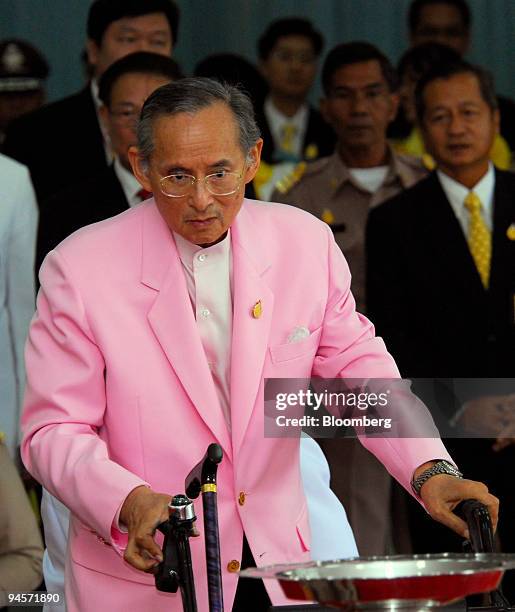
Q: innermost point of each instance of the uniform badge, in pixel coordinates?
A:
(327, 216)
(311, 151)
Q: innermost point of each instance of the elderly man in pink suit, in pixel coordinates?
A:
(154, 333)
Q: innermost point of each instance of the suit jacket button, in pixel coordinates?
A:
(233, 566)
(241, 498)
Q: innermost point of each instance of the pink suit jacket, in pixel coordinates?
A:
(120, 394)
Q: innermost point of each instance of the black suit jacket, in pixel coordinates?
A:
(86, 202)
(61, 143)
(318, 133)
(424, 293)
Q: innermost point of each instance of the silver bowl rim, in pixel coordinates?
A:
(487, 562)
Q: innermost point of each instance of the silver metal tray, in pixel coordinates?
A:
(434, 579)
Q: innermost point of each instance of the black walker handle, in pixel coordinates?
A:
(481, 540)
(176, 569)
(477, 517)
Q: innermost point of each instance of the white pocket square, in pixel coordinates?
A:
(299, 333)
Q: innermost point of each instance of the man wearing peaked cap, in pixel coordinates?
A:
(23, 71)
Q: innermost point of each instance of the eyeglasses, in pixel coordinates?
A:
(219, 183)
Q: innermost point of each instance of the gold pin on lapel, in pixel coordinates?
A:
(510, 232)
(257, 310)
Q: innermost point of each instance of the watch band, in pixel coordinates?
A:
(440, 467)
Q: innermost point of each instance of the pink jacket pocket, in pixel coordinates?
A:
(294, 350)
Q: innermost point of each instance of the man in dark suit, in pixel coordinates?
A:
(441, 261)
(123, 88)
(48, 140)
(292, 130)
(449, 22)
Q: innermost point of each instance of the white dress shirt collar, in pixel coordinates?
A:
(456, 194)
(187, 250)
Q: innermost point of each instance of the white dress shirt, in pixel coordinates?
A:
(276, 121)
(208, 278)
(456, 194)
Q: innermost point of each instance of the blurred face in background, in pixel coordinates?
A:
(459, 127)
(17, 103)
(127, 35)
(128, 94)
(290, 68)
(359, 105)
(441, 23)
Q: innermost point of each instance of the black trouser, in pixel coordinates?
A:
(250, 593)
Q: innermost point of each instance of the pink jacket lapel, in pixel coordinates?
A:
(250, 332)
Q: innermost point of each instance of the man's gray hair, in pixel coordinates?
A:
(190, 96)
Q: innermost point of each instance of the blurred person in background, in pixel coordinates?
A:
(71, 126)
(360, 100)
(18, 224)
(292, 129)
(21, 549)
(449, 22)
(123, 88)
(412, 66)
(23, 71)
(446, 22)
(20, 541)
(440, 282)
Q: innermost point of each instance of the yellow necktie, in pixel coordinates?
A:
(479, 237)
(288, 133)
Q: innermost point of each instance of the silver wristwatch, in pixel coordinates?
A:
(440, 467)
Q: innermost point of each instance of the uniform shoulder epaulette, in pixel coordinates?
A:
(421, 165)
(292, 178)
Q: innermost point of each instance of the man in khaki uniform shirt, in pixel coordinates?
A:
(21, 549)
(360, 101)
